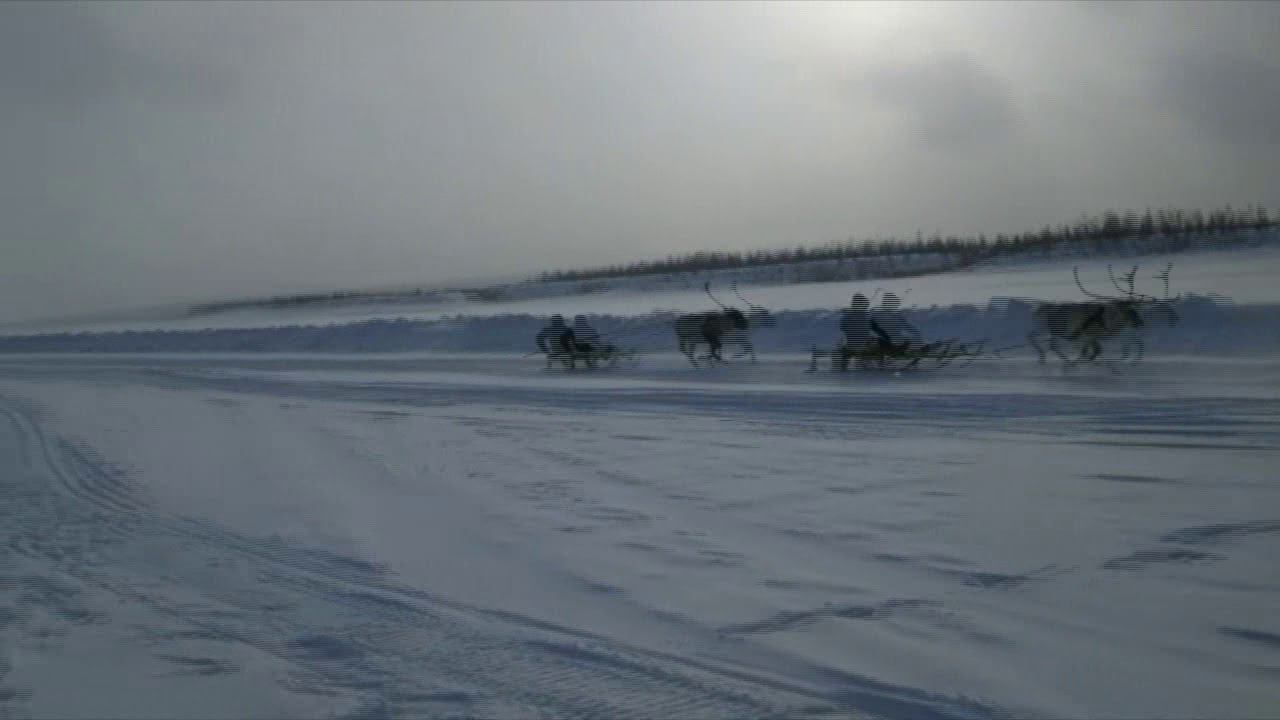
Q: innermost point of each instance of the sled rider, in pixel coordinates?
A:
(892, 331)
(586, 341)
(557, 341)
(585, 337)
(855, 323)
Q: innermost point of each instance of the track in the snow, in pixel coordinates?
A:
(804, 532)
(348, 630)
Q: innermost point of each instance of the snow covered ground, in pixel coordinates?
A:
(265, 534)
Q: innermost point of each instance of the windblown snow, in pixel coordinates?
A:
(395, 514)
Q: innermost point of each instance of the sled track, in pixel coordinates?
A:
(80, 473)
(350, 633)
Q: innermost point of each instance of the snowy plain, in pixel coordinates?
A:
(446, 532)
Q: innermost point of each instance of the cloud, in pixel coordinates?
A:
(948, 100)
(161, 151)
(1232, 97)
(70, 54)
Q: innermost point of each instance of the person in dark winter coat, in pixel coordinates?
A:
(891, 328)
(855, 323)
(586, 341)
(585, 337)
(557, 341)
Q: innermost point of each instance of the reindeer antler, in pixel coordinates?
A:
(734, 286)
(1165, 277)
(1129, 278)
(707, 288)
(1075, 272)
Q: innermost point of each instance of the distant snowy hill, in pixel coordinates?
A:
(1229, 303)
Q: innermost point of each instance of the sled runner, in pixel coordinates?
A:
(604, 356)
(928, 356)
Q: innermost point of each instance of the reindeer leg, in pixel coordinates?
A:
(1090, 351)
(688, 350)
(716, 346)
(1031, 340)
(1053, 345)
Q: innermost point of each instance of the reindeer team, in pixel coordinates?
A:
(720, 327)
(1086, 324)
(883, 338)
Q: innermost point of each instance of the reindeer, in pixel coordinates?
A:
(1106, 316)
(720, 327)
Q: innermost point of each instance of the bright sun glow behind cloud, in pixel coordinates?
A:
(161, 151)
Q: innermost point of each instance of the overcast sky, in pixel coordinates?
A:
(159, 151)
